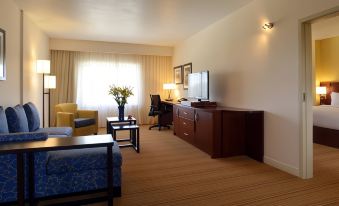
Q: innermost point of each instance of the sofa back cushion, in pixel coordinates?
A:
(16, 119)
(3, 121)
(32, 116)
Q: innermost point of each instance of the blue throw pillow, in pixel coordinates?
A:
(32, 116)
(3, 121)
(16, 119)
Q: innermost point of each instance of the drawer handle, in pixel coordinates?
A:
(185, 134)
(196, 117)
(184, 123)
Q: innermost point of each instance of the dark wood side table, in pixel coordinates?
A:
(134, 137)
(116, 120)
(51, 144)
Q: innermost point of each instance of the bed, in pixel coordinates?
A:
(326, 118)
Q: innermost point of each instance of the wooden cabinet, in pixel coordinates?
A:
(221, 131)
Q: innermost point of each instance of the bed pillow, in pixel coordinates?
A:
(335, 99)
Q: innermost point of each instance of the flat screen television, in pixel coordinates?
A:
(198, 85)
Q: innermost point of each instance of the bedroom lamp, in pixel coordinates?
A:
(169, 87)
(322, 92)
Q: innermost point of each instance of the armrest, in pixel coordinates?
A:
(88, 114)
(23, 137)
(65, 119)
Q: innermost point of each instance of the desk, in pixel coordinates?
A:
(167, 118)
(51, 144)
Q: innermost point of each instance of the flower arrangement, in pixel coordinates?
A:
(120, 94)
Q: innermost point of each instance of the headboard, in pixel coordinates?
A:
(330, 87)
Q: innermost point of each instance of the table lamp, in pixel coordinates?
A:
(322, 92)
(169, 87)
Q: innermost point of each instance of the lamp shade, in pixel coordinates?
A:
(43, 66)
(320, 90)
(50, 82)
(169, 86)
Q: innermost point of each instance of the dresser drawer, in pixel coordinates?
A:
(187, 113)
(187, 130)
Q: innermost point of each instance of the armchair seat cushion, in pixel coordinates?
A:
(83, 122)
(57, 131)
(79, 160)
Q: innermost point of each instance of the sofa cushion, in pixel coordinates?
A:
(83, 122)
(57, 131)
(3, 121)
(16, 119)
(77, 160)
(32, 116)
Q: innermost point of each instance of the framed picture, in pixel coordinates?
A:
(187, 70)
(178, 75)
(2, 54)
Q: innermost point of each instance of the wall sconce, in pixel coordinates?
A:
(169, 87)
(322, 91)
(268, 26)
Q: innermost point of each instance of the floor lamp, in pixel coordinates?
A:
(49, 83)
(43, 67)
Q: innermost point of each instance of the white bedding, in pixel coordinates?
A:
(326, 116)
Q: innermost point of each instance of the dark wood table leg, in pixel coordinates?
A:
(31, 179)
(20, 179)
(107, 127)
(114, 134)
(110, 175)
(138, 140)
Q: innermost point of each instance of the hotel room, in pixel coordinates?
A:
(219, 100)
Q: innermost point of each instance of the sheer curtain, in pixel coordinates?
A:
(96, 71)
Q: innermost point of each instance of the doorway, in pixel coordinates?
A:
(308, 87)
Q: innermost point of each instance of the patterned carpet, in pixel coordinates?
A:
(169, 171)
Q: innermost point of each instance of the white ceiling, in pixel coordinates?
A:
(156, 22)
(325, 28)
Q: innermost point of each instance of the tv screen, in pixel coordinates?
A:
(198, 85)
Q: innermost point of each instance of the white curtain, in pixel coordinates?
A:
(95, 72)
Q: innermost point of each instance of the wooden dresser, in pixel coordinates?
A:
(221, 131)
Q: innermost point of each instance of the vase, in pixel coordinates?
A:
(121, 113)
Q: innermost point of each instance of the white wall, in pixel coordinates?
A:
(251, 68)
(10, 22)
(35, 46)
(109, 47)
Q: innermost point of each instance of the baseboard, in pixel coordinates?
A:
(282, 166)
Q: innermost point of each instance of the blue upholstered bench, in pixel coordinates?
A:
(56, 172)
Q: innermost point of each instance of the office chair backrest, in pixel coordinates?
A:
(155, 104)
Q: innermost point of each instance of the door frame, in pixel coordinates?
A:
(306, 92)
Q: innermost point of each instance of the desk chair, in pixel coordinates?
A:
(158, 109)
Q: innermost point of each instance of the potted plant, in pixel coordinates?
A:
(120, 95)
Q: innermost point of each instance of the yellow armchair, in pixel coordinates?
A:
(83, 122)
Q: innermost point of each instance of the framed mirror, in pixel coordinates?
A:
(2, 54)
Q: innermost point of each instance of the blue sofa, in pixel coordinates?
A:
(56, 172)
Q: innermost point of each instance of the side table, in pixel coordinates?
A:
(134, 137)
(115, 120)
